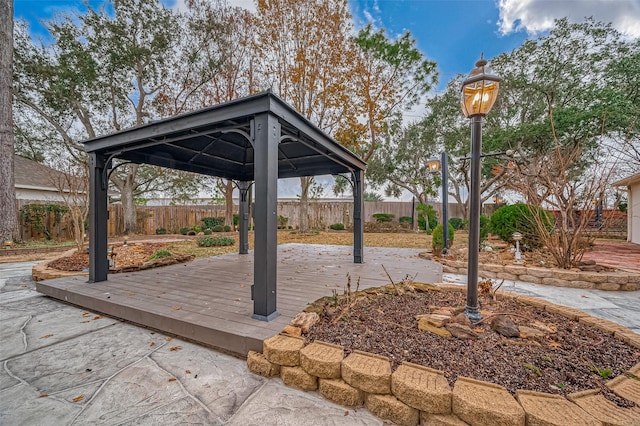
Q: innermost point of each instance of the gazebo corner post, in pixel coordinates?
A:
(98, 216)
(243, 216)
(267, 138)
(358, 210)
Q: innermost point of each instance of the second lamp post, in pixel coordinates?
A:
(479, 93)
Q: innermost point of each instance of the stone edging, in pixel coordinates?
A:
(41, 271)
(414, 394)
(611, 281)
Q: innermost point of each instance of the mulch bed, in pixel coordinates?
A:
(127, 258)
(571, 358)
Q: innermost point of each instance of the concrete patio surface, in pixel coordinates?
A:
(62, 365)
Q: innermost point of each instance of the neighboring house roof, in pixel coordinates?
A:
(30, 174)
(628, 181)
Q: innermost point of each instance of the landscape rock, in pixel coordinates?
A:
(305, 320)
(292, 331)
(530, 332)
(423, 324)
(436, 320)
(461, 331)
(462, 319)
(504, 326)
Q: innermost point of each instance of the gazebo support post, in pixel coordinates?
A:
(358, 223)
(243, 216)
(267, 137)
(98, 216)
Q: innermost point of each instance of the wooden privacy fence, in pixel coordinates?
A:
(321, 214)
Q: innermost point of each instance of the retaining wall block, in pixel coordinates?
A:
(581, 284)
(530, 279)
(492, 268)
(627, 387)
(604, 410)
(485, 274)
(618, 277)
(322, 360)
(297, 378)
(258, 364)
(594, 277)
(506, 276)
(422, 388)
(557, 282)
(368, 372)
(608, 286)
(388, 407)
(544, 409)
(340, 392)
(515, 269)
(541, 272)
(569, 313)
(429, 419)
(283, 350)
(485, 404)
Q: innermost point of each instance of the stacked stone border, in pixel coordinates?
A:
(610, 281)
(414, 394)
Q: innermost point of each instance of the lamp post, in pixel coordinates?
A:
(442, 165)
(517, 237)
(479, 92)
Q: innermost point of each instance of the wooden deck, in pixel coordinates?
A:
(209, 300)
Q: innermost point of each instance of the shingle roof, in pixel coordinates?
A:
(29, 173)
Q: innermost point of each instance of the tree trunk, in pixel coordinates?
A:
(129, 205)
(305, 183)
(9, 222)
(228, 203)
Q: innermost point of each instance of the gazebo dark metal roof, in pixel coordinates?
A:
(259, 138)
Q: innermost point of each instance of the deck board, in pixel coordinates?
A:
(209, 300)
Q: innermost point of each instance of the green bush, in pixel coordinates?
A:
(160, 254)
(485, 227)
(207, 231)
(236, 219)
(405, 219)
(218, 228)
(227, 228)
(426, 213)
(282, 222)
(197, 228)
(211, 222)
(383, 217)
(161, 231)
(184, 231)
(437, 238)
(520, 217)
(457, 223)
(337, 227)
(215, 241)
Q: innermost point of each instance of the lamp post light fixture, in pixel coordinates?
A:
(517, 237)
(125, 239)
(498, 200)
(442, 166)
(479, 93)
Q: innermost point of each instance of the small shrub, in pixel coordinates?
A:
(215, 241)
(211, 222)
(197, 228)
(437, 238)
(457, 223)
(236, 219)
(383, 217)
(207, 231)
(184, 231)
(227, 228)
(161, 231)
(337, 227)
(218, 228)
(405, 219)
(520, 217)
(282, 222)
(160, 254)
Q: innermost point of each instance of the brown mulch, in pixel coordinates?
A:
(570, 358)
(131, 255)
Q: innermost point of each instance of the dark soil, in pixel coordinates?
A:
(571, 357)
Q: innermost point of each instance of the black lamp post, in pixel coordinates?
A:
(441, 165)
(479, 92)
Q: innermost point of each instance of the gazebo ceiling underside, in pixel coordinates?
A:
(222, 147)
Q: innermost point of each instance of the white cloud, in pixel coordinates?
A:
(535, 16)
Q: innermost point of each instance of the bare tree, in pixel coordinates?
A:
(72, 183)
(9, 222)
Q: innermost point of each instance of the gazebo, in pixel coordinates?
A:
(256, 139)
